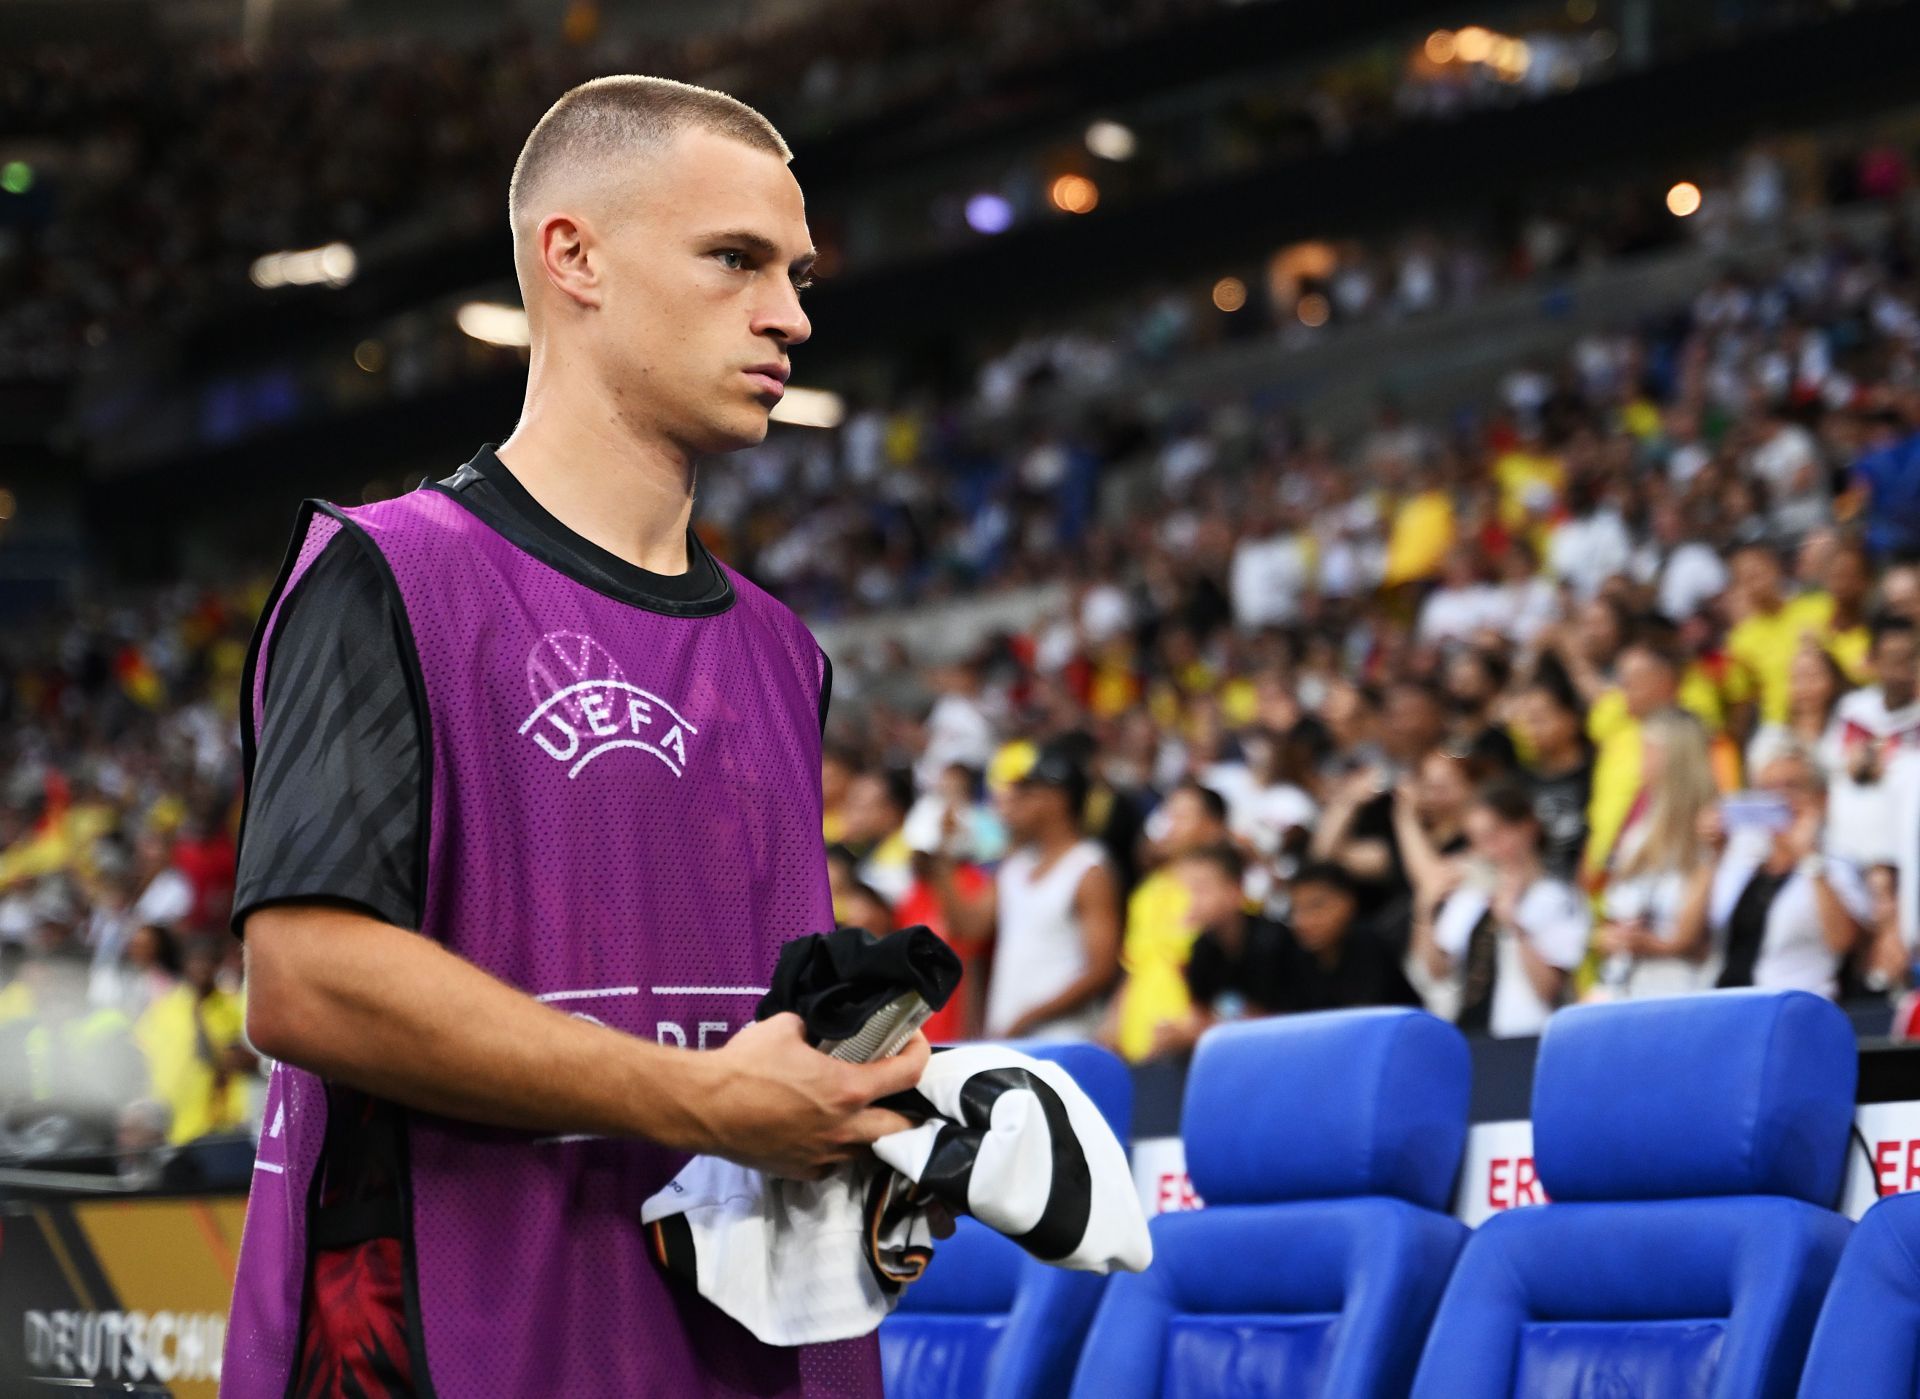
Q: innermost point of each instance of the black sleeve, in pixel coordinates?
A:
(826, 689)
(335, 803)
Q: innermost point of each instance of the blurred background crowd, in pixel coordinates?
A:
(1486, 599)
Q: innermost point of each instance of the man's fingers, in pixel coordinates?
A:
(871, 1124)
(885, 1077)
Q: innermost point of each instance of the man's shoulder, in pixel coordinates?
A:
(757, 599)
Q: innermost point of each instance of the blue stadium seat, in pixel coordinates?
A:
(987, 1319)
(1325, 1147)
(1867, 1345)
(1692, 1148)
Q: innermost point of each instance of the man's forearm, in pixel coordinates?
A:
(395, 1014)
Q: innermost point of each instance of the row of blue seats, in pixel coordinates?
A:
(1693, 1149)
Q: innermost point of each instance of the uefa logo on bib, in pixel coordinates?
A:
(584, 706)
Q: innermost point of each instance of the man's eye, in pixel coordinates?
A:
(732, 252)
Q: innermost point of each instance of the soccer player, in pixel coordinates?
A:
(533, 799)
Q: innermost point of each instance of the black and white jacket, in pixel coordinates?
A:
(1006, 1138)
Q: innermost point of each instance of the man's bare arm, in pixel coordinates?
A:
(1097, 903)
(393, 1013)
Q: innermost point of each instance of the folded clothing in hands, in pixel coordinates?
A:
(1005, 1137)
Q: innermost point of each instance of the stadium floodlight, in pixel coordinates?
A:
(809, 408)
(1683, 199)
(1111, 141)
(331, 264)
(494, 322)
(989, 213)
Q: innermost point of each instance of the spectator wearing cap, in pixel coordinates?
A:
(1244, 964)
(1053, 910)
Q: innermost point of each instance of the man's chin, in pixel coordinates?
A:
(738, 431)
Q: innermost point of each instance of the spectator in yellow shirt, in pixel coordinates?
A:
(1649, 679)
(1836, 614)
(1764, 641)
(1530, 479)
(1420, 534)
(1158, 939)
(195, 1043)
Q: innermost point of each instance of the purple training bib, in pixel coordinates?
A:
(625, 822)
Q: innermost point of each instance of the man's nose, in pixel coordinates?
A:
(785, 318)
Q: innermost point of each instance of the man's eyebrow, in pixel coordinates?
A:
(759, 245)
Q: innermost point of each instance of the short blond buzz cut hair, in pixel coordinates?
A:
(607, 119)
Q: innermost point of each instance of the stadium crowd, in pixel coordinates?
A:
(419, 136)
(1605, 687)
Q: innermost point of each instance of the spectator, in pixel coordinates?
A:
(838, 768)
(1886, 482)
(147, 969)
(1283, 806)
(1053, 911)
(860, 907)
(1160, 930)
(1245, 965)
(195, 1043)
(1659, 848)
(958, 730)
(1769, 632)
(1686, 571)
(1835, 614)
(1476, 685)
(1357, 830)
(1649, 683)
(1786, 914)
(1872, 727)
(1511, 935)
(1815, 687)
(1560, 768)
(873, 819)
(951, 821)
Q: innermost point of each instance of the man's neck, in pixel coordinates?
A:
(1055, 841)
(631, 495)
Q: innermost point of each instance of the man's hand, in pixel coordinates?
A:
(779, 1105)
